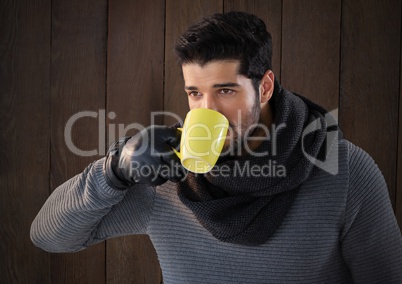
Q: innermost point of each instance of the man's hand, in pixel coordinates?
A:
(146, 157)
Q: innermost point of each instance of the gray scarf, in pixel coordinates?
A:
(244, 200)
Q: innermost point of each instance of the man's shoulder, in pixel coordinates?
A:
(363, 170)
(346, 162)
(356, 155)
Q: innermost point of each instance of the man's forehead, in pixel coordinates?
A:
(215, 72)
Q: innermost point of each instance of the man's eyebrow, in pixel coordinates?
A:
(226, 85)
(220, 85)
(190, 88)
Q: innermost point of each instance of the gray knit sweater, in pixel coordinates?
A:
(341, 229)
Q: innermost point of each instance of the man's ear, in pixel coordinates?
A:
(267, 86)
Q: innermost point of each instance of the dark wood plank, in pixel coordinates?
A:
(132, 260)
(398, 192)
(134, 90)
(24, 136)
(271, 13)
(310, 49)
(78, 71)
(179, 15)
(370, 80)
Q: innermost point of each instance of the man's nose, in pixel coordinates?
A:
(209, 102)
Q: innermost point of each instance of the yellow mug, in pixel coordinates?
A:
(203, 136)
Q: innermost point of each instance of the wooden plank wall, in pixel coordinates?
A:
(24, 135)
(77, 79)
(112, 61)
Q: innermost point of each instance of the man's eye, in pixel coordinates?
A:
(194, 94)
(226, 91)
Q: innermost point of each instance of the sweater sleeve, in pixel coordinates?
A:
(85, 210)
(371, 239)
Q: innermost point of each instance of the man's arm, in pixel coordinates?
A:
(86, 210)
(113, 196)
(371, 239)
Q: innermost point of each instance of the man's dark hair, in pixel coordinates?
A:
(233, 35)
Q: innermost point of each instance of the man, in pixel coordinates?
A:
(289, 201)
